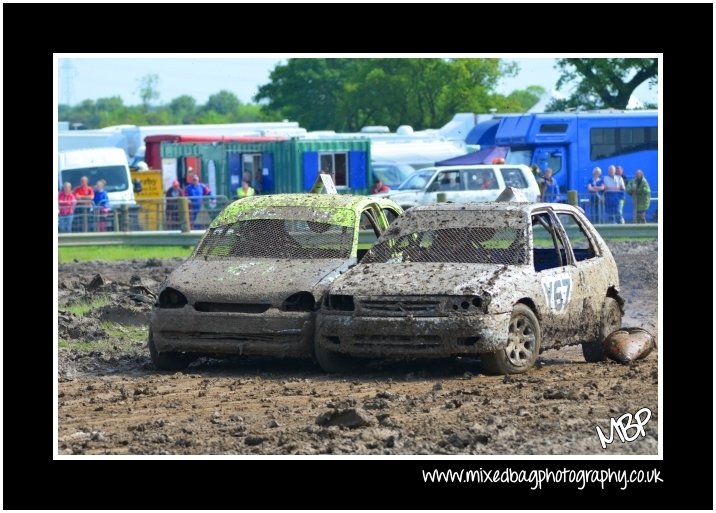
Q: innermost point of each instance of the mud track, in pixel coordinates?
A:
(112, 400)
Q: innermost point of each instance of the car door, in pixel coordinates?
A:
(517, 178)
(448, 182)
(589, 289)
(481, 184)
(551, 258)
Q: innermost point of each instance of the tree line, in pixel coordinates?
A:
(345, 94)
(222, 107)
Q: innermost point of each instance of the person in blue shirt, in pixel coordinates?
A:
(550, 189)
(100, 195)
(194, 191)
(101, 204)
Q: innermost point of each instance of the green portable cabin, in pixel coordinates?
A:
(273, 164)
(346, 159)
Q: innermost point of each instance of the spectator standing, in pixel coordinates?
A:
(641, 195)
(245, 190)
(258, 181)
(67, 202)
(101, 198)
(101, 203)
(622, 199)
(194, 191)
(536, 172)
(173, 194)
(84, 195)
(379, 186)
(613, 190)
(595, 186)
(549, 187)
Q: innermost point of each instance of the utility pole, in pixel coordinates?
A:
(67, 75)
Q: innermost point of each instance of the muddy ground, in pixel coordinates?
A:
(113, 401)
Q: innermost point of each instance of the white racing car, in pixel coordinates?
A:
(504, 281)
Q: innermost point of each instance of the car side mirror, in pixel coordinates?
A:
(435, 186)
(137, 185)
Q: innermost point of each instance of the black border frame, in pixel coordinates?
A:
(33, 480)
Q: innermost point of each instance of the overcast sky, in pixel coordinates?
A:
(82, 78)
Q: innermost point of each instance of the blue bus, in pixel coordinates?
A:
(574, 143)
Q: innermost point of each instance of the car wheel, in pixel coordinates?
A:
(611, 321)
(168, 361)
(522, 347)
(332, 361)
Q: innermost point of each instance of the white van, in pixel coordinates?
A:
(463, 184)
(108, 163)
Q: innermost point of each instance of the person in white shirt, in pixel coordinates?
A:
(613, 191)
(622, 199)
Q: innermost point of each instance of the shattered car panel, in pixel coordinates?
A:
(258, 275)
(445, 280)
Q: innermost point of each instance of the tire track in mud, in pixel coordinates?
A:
(112, 401)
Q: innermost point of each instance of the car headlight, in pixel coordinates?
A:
(299, 302)
(171, 298)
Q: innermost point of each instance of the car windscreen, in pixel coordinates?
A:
(277, 238)
(116, 177)
(417, 181)
(392, 174)
(437, 237)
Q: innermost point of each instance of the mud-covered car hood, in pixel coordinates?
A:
(258, 280)
(425, 279)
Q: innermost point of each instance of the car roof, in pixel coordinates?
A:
(457, 167)
(304, 199)
(498, 206)
(307, 200)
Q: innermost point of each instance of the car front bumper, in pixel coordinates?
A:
(414, 337)
(273, 333)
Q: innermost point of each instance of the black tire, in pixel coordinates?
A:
(168, 361)
(331, 361)
(611, 321)
(525, 337)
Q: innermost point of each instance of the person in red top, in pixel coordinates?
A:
(379, 187)
(83, 192)
(84, 195)
(488, 180)
(67, 202)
